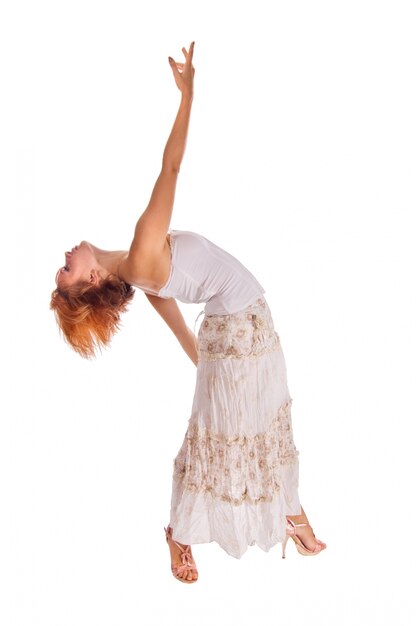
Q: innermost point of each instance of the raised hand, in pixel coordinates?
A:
(183, 73)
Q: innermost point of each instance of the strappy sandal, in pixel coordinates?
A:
(187, 561)
(301, 548)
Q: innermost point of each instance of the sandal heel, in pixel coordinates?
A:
(284, 546)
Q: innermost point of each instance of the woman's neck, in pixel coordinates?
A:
(110, 260)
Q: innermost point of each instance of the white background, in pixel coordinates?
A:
(301, 162)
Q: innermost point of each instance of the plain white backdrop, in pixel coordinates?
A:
(300, 162)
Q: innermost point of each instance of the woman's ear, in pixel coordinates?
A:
(94, 277)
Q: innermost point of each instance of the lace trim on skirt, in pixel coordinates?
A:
(240, 468)
(238, 335)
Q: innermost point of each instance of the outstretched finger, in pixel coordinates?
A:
(174, 66)
(177, 63)
(191, 50)
(189, 54)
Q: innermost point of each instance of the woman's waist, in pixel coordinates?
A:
(248, 332)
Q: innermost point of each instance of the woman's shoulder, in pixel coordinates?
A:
(148, 270)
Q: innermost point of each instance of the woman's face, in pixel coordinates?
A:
(79, 264)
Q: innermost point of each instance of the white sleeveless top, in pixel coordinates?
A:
(201, 271)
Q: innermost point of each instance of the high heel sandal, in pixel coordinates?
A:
(301, 548)
(187, 561)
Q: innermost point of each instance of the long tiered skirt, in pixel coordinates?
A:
(235, 477)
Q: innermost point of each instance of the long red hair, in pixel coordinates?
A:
(88, 316)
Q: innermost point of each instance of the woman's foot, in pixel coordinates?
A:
(305, 533)
(181, 559)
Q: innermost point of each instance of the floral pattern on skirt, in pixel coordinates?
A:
(235, 477)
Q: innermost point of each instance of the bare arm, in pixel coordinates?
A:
(153, 225)
(168, 309)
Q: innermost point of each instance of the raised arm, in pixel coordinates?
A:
(153, 225)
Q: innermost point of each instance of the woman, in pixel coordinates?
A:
(235, 477)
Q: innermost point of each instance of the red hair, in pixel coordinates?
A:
(89, 315)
